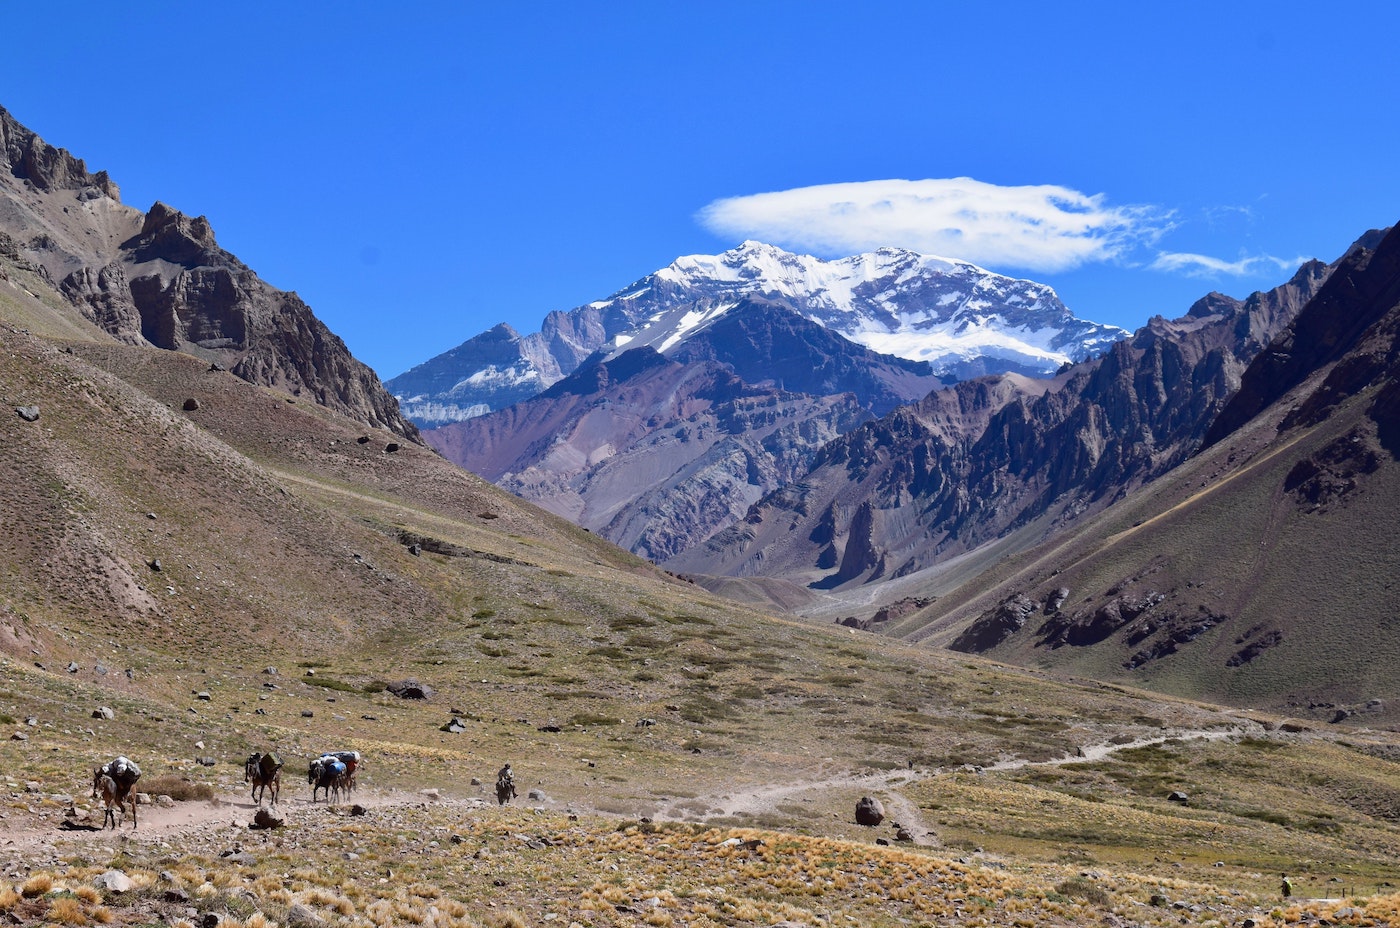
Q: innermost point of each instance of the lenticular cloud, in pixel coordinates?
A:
(1038, 228)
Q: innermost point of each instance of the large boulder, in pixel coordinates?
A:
(869, 811)
(410, 689)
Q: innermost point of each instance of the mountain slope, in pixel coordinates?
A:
(975, 462)
(160, 278)
(1260, 570)
(960, 319)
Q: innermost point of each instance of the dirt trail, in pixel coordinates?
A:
(227, 812)
(886, 785)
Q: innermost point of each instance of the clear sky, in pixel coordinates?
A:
(420, 171)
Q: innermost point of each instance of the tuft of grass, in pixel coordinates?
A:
(37, 885)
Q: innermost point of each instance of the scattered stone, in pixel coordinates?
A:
(72, 667)
(100, 670)
(270, 671)
(456, 726)
(358, 809)
(28, 413)
(215, 366)
(19, 736)
(869, 811)
(537, 795)
(1178, 796)
(904, 834)
(190, 405)
(431, 793)
(391, 447)
(154, 564)
(307, 714)
(210, 920)
(176, 894)
(266, 818)
(203, 696)
(114, 881)
(550, 729)
(165, 802)
(104, 712)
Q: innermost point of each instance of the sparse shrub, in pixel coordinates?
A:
(8, 899)
(1083, 890)
(587, 719)
(332, 684)
(181, 789)
(511, 919)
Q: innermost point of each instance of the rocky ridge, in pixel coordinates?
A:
(161, 279)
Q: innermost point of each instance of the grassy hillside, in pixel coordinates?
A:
(665, 729)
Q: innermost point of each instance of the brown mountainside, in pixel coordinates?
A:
(161, 279)
(1261, 570)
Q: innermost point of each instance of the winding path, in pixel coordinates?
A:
(899, 807)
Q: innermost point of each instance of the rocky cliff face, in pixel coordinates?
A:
(975, 461)
(160, 278)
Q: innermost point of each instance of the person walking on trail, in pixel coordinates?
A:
(1286, 887)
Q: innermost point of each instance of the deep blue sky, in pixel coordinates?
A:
(421, 171)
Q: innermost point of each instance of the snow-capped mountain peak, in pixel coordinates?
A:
(960, 318)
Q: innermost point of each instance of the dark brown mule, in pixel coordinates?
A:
(264, 771)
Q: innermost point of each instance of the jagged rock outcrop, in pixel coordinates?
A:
(1358, 297)
(161, 278)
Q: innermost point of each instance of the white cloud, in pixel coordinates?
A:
(1038, 228)
(1194, 265)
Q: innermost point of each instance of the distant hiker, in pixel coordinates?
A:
(505, 785)
(1286, 887)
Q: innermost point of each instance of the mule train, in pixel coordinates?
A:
(112, 783)
(334, 772)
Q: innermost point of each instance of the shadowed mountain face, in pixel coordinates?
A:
(977, 461)
(161, 279)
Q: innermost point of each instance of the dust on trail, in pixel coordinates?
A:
(887, 784)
